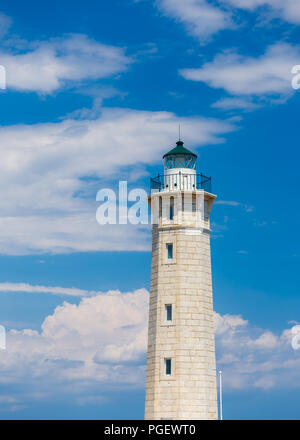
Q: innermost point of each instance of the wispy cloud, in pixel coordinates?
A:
(200, 18)
(5, 23)
(55, 290)
(236, 103)
(246, 207)
(47, 66)
(204, 18)
(44, 207)
(288, 10)
(268, 74)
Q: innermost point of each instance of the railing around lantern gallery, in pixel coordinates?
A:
(180, 181)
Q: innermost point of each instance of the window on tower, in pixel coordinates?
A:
(171, 208)
(194, 203)
(206, 212)
(170, 251)
(168, 367)
(160, 208)
(168, 308)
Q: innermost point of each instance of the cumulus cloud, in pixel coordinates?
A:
(201, 18)
(241, 75)
(46, 66)
(251, 357)
(51, 173)
(228, 322)
(100, 344)
(96, 344)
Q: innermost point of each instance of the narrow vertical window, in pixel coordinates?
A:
(206, 213)
(169, 251)
(171, 208)
(168, 308)
(160, 208)
(194, 200)
(168, 365)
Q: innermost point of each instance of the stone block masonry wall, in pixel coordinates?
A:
(190, 391)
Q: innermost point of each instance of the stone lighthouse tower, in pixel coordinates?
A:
(181, 367)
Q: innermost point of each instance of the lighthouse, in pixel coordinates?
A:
(181, 366)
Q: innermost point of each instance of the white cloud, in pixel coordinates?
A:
(227, 202)
(236, 103)
(66, 232)
(288, 10)
(204, 18)
(46, 66)
(200, 18)
(234, 203)
(5, 23)
(48, 205)
(241, 75)
(100, 344)
(228, 322)
(247, 4)
(266, 340)
(56, 290)
(251, 357)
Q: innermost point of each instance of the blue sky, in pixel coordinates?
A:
(94, 94)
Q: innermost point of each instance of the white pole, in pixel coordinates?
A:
(220, 391)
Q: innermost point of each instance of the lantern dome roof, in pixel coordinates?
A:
(179, 150)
